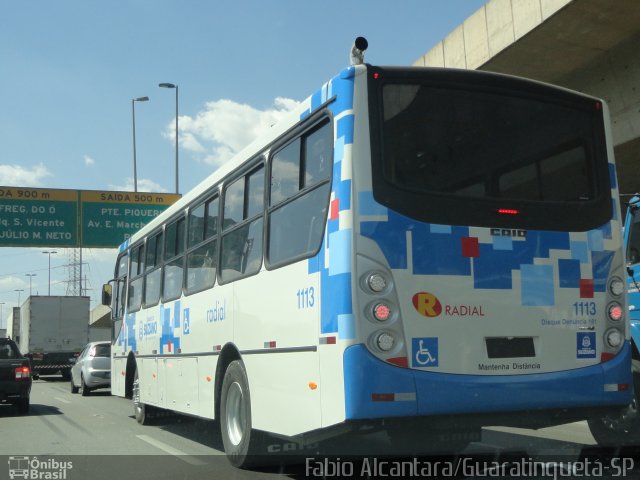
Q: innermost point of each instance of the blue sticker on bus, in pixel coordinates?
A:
(425, 352)
(186, 324)
(586, 345)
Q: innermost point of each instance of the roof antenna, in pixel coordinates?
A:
(357, 51)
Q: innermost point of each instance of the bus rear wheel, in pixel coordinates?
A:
(241, 443)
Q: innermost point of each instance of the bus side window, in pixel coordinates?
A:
(285, 173)
(317, 156)
(134, 296)
(152, 277)
(201, 267)
(241, 248)
(173, 269)
(296, 225)
(201, 263)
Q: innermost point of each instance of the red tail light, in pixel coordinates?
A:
(606, 356)
(508, 211)
(22, 373)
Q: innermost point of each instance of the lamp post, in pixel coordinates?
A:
(30, 275)
(19, 290)
(133, 116)
(1, 320)
(173, 85)
(49, 252)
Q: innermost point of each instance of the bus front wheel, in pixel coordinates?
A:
(240, 441)
(140, 410)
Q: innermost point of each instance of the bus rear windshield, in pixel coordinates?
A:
(491, 143)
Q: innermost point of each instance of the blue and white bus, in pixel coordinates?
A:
(423, 250)
(625, 429)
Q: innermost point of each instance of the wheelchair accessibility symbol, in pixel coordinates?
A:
(425, 352)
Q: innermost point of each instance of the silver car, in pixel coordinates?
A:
(92, 368)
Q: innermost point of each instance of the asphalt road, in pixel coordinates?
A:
(69, 437)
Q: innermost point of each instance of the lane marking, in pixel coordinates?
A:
(61, 400)
(172, 451)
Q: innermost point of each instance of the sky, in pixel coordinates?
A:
(71, 68)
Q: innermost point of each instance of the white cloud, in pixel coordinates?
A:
(15, 175)
(224, 127)
(11, 283)
(144, 185)
(88, 161)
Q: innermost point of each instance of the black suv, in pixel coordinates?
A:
(15, 376)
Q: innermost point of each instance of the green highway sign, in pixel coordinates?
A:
(110, 218)
(36, 217)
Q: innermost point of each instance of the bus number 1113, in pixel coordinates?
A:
(306, 298)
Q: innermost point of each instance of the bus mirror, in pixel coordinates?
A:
(106, 294)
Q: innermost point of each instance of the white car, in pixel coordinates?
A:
(92, 368)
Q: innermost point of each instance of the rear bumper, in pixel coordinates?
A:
(45, 363)
(408, 393)
(97, 378)
(11, 391)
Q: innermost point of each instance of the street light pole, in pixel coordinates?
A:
(30, 275)
(1, 320)
(19, 290)
(49, 252)
(173, 85)
(133, 117)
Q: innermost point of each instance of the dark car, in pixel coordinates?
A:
(15, 376)
(92, 369)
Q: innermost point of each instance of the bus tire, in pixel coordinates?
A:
(140, 410)
(241, 443)
(619, 429)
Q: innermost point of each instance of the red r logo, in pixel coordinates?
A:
(427, 304)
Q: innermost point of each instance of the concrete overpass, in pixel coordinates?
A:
(588, 45)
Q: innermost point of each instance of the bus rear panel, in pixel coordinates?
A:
(487, 252)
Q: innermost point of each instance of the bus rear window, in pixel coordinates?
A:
(491, 141)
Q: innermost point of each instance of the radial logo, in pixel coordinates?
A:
(427, 304)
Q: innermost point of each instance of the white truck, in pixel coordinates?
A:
(52, 331)
(13, 323)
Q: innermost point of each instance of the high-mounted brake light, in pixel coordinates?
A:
(508, 211)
